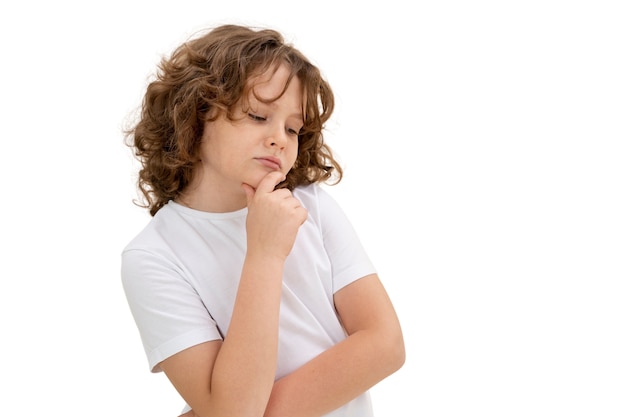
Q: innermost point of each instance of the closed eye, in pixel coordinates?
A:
(256, 118)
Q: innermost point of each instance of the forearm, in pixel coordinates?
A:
(235, 377)
(336, 376)
(245, 367)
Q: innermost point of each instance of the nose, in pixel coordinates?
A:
(277, 137)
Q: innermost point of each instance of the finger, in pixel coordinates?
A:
(270, 181)
(283, 193)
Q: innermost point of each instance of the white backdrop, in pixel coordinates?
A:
(484, 147)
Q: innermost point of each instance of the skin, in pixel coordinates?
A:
(214, 377)
(233, 153)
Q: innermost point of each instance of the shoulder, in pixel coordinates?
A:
(306, 191)
(162, 236)
(323, 208)
(154, 254)
(152, 233)
(313, 196)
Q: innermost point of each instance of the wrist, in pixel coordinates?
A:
(264, 261)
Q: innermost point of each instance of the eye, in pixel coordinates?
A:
(256, 118)
(292, 132)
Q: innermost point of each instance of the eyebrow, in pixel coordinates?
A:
(299, 115)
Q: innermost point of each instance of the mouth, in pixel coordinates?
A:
(270, 162)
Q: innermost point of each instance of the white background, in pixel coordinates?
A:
(484, 147)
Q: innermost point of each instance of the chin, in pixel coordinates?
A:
(254, 181)
(254, 178)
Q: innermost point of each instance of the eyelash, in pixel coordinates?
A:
(262, 119)
(256, 118)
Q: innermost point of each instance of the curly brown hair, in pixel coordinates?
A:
(213, 72)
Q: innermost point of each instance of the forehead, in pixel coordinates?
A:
(274, 83)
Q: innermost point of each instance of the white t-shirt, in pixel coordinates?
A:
(181, 274)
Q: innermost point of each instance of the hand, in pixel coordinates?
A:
(274, 217)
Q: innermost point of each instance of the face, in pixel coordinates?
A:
(263, 137)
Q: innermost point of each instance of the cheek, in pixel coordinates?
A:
(293, 155)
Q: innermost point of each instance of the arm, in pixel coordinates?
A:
(373, 350)
(235, 377)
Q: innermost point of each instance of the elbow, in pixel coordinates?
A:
(397, 354)
(394, 352)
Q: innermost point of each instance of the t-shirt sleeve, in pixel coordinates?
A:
(167, 310)
(345, 250)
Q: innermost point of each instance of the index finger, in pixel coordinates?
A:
(270, 181)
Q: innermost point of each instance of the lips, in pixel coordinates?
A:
(270, 162)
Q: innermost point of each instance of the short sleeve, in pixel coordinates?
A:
(348, 257)
(167, 309)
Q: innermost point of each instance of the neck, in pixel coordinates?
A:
(212, 197)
